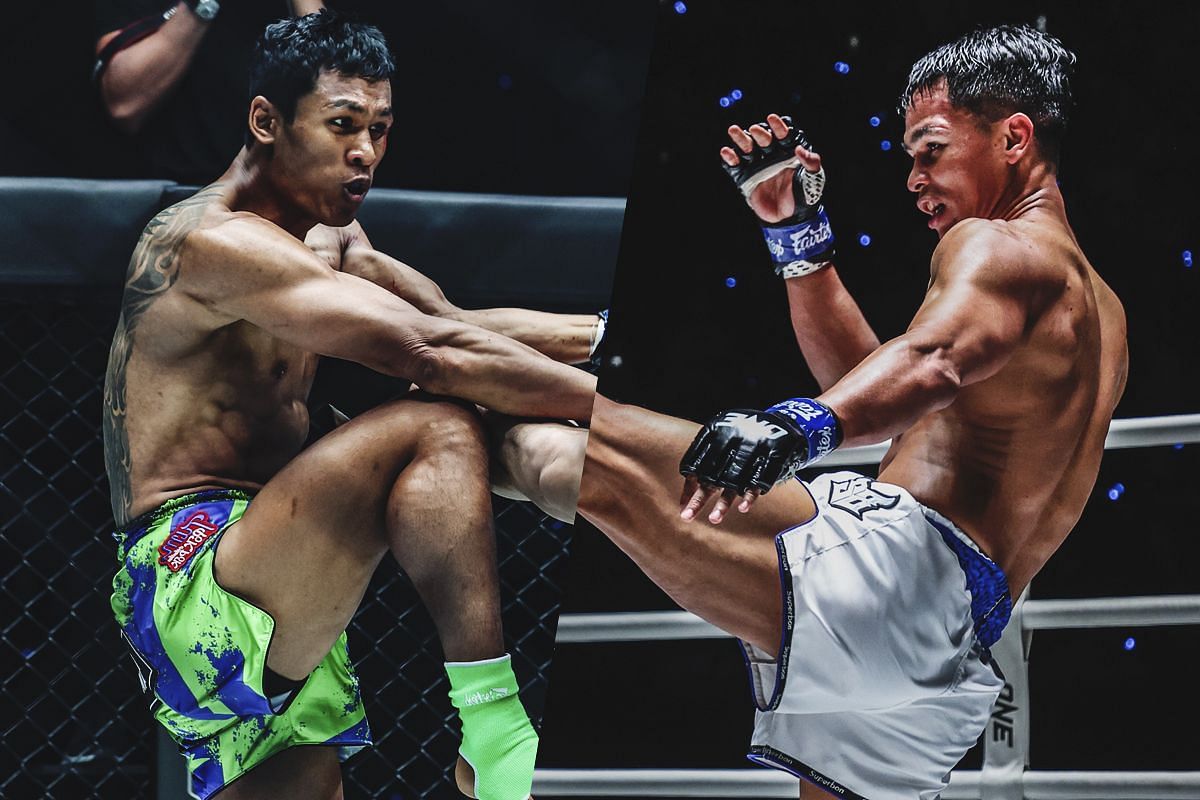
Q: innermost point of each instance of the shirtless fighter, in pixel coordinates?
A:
(242, 559)
(866, 607)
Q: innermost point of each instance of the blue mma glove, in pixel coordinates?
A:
(802, 243)
(744, 449)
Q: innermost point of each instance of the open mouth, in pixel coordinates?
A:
(935, 212)
(357, 189)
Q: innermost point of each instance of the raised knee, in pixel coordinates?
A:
(450, 426)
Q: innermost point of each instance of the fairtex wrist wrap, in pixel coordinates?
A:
(800, 248)
(821, 428)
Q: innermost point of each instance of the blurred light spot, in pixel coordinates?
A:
(841, 67)
(730, 282)
(725, 101)
(1040, 23)
(680, 7)
(854, 41)
(736, 94)
(1187, 258)
(864, 239)
(875, 122)
(1177, 446)
(616, 361)
(1130, 643)
(1116, 491)
(885, 145)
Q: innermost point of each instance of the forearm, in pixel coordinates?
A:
(501, 374)
(890, 390)
(563, 337)
(831, 330)
(140, 77)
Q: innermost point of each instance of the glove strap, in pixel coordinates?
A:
(820, 425)
(800, 248)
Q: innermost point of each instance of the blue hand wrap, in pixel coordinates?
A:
(821, 428)
(803, 244)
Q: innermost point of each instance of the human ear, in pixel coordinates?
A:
(264, 120)
(1018, 137)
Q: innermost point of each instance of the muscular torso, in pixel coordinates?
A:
(194, 400)
(1014, 458)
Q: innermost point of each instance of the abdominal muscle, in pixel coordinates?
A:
(215, 421)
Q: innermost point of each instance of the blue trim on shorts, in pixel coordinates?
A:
(991, 600)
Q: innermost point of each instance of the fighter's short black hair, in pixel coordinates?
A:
(291, 54)
(998, 71)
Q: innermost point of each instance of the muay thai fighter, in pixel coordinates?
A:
(242, 558)
(867, 606)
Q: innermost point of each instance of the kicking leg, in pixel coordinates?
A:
(727, 574)
(538, 461)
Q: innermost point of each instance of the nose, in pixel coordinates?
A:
(362, 152)
(917, 179)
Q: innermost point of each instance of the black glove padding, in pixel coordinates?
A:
(744, 449)
(764, 163)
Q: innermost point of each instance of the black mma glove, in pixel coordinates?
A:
(743, 449)
(802, 243)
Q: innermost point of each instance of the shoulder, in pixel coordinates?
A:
(994, 253)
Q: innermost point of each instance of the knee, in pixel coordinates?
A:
(449, 426)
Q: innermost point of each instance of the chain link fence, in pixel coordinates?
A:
(73, 722)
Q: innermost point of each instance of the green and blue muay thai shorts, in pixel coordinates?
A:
(202, 651)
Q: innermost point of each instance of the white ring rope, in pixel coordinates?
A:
(964, 784)
(1122, 434)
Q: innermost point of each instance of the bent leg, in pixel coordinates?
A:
(538, 461)
(728, 574)
(410, 477)
(302, 773)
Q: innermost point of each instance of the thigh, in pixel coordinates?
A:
(310, 540)
(303, 773)
(726, 573)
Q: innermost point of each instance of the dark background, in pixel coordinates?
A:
(533, 97)
(683, 342)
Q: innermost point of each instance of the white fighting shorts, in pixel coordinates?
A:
(883, 679)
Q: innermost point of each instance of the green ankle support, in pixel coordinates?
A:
(497, 739)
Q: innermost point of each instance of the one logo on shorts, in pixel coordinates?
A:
(184, 540)
(858, 495)
(487, 696)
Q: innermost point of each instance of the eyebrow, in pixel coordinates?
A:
(919, 134)
(354, 105)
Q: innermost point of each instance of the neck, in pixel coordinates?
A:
(252, 188)
(1037, 188)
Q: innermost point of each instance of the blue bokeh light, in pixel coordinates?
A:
(1177, 446)
(736, 94)
(841, 67)
(680, 7)
(1116, 491)
(1130, 643)
(725, 102)
(1187, 258)
(730, 282)
(885, 145)
(864, 239)
(1113, 494)
(875, 122)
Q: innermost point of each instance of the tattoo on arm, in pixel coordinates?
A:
(152, 271)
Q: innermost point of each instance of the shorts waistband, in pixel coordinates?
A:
(991, 601)
(129, 534)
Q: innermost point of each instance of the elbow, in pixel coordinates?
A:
(939, 377)
(434, 369)
(126, 114)
(126, 110)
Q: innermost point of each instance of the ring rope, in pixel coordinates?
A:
(1122, 434)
